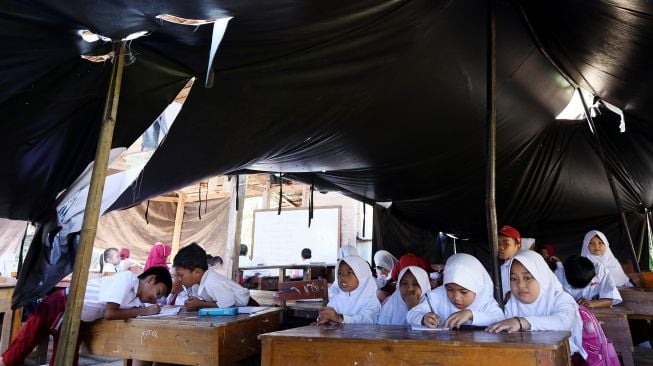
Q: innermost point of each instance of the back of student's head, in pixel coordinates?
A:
(190, 257)
(214, 261)
(243, 249)
(161, 275)
(306, 253)
(579, 271)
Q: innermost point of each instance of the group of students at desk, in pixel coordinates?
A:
(536, 298)
(126, 295)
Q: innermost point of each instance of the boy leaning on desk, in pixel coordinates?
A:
(120, 296)
(206, 289)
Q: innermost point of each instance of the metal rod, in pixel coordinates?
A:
(613, 186)
(490, 184)
(67, 346)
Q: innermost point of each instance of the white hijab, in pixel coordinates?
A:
(347, 250)
(550, 291)
(394, 309)
(608, 259)
(466, 271)
(384, 259)
(353, 302)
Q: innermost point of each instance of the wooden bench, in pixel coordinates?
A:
(302, 290)
(639, 300)
(357, 344)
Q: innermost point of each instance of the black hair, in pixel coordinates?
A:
(161, 275)
(190, 257)
(306, 253)
(106, 255)
(214, 260)
(579, 271)
(243, 249)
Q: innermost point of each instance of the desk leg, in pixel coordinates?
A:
(6, 330)
(16, 323)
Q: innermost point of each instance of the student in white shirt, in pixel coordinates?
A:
(110, 260)
(538, 302)
(509, 245)
(597, 249)
(589, 283)
(465, 298)
(121, 296)
(413, 285)
(209, 289)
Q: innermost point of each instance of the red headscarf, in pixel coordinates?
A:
(410, 259)
(158, 256)
(124, 253)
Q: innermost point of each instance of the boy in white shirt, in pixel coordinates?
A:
(114, 297)
(509, 246)
(209, 289)
(589, 283)
(110, 261)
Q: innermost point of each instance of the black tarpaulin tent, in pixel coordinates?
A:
(381, 100)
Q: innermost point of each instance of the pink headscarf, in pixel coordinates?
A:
(158, 256)
(124, 253)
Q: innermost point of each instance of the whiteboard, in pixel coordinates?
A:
(279, 239)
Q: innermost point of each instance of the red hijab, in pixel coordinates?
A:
(158, 256)
(124, 253)
(410, 259)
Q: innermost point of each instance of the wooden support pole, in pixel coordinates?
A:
(67, 346)
(490, 183)
(242, 186)
(179, 220)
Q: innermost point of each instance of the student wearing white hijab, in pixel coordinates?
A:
(538, 302)
(384, 261)
(597, 248)
(347, 250)
(465, 298)
(413, 285)
(352, 299)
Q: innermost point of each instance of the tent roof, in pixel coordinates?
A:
(382, 100)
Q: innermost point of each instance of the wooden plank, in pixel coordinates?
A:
(639, 300)
(179, 221)
(388, 345)
(7, 320)
(298, 290)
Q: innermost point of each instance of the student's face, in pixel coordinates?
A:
(596, 246)
(522, 284)
(508, 247)
(347, 280)
(150, 292)
(380, 271)
(187, 277)
(176, 284)
(459, 296)
(114, 258)
(409, 289)
(545, 253)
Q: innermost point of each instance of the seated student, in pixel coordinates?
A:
(548, 252)
(589, 283)
(110, 260)
(509, 245)
(127, 263)
(597, 249)
(158, 256)
(121, 296)
(413, 286)
(353, 298)
(538, 302)
(209, 289)
(177, 294)
(465, 298)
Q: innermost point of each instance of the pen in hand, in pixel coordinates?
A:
(187, 291)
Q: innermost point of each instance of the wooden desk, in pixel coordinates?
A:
(185, 338)
(6, 293)
(614, 322)
(639, 300)
(361, 345)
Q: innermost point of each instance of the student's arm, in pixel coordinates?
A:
(597, 303)
(416, 314)
(367, 316)
(114, 312)
(488, 314)
(563, 317)
(607, 288)
(194, 304)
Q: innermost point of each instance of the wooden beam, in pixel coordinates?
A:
(179, 220)
(242, 186)
(67, 346)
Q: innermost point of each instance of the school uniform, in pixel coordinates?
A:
(554, 309)
(608, 259)
(600, 287)
(387, 261)
(466, 271)
(394, 308)
(109, 267)
(225, 292)
(120, 289)
(361, 305)
(505, 276)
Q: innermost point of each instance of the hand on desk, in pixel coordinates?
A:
(510, 325)
(193, 304)
(458, 318)
(329, 314)
(431, 320)
(151, 310)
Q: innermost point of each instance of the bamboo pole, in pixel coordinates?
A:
(613, 186)
(242, 189)
(179, 220)
(490, 184)
(67, 346)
